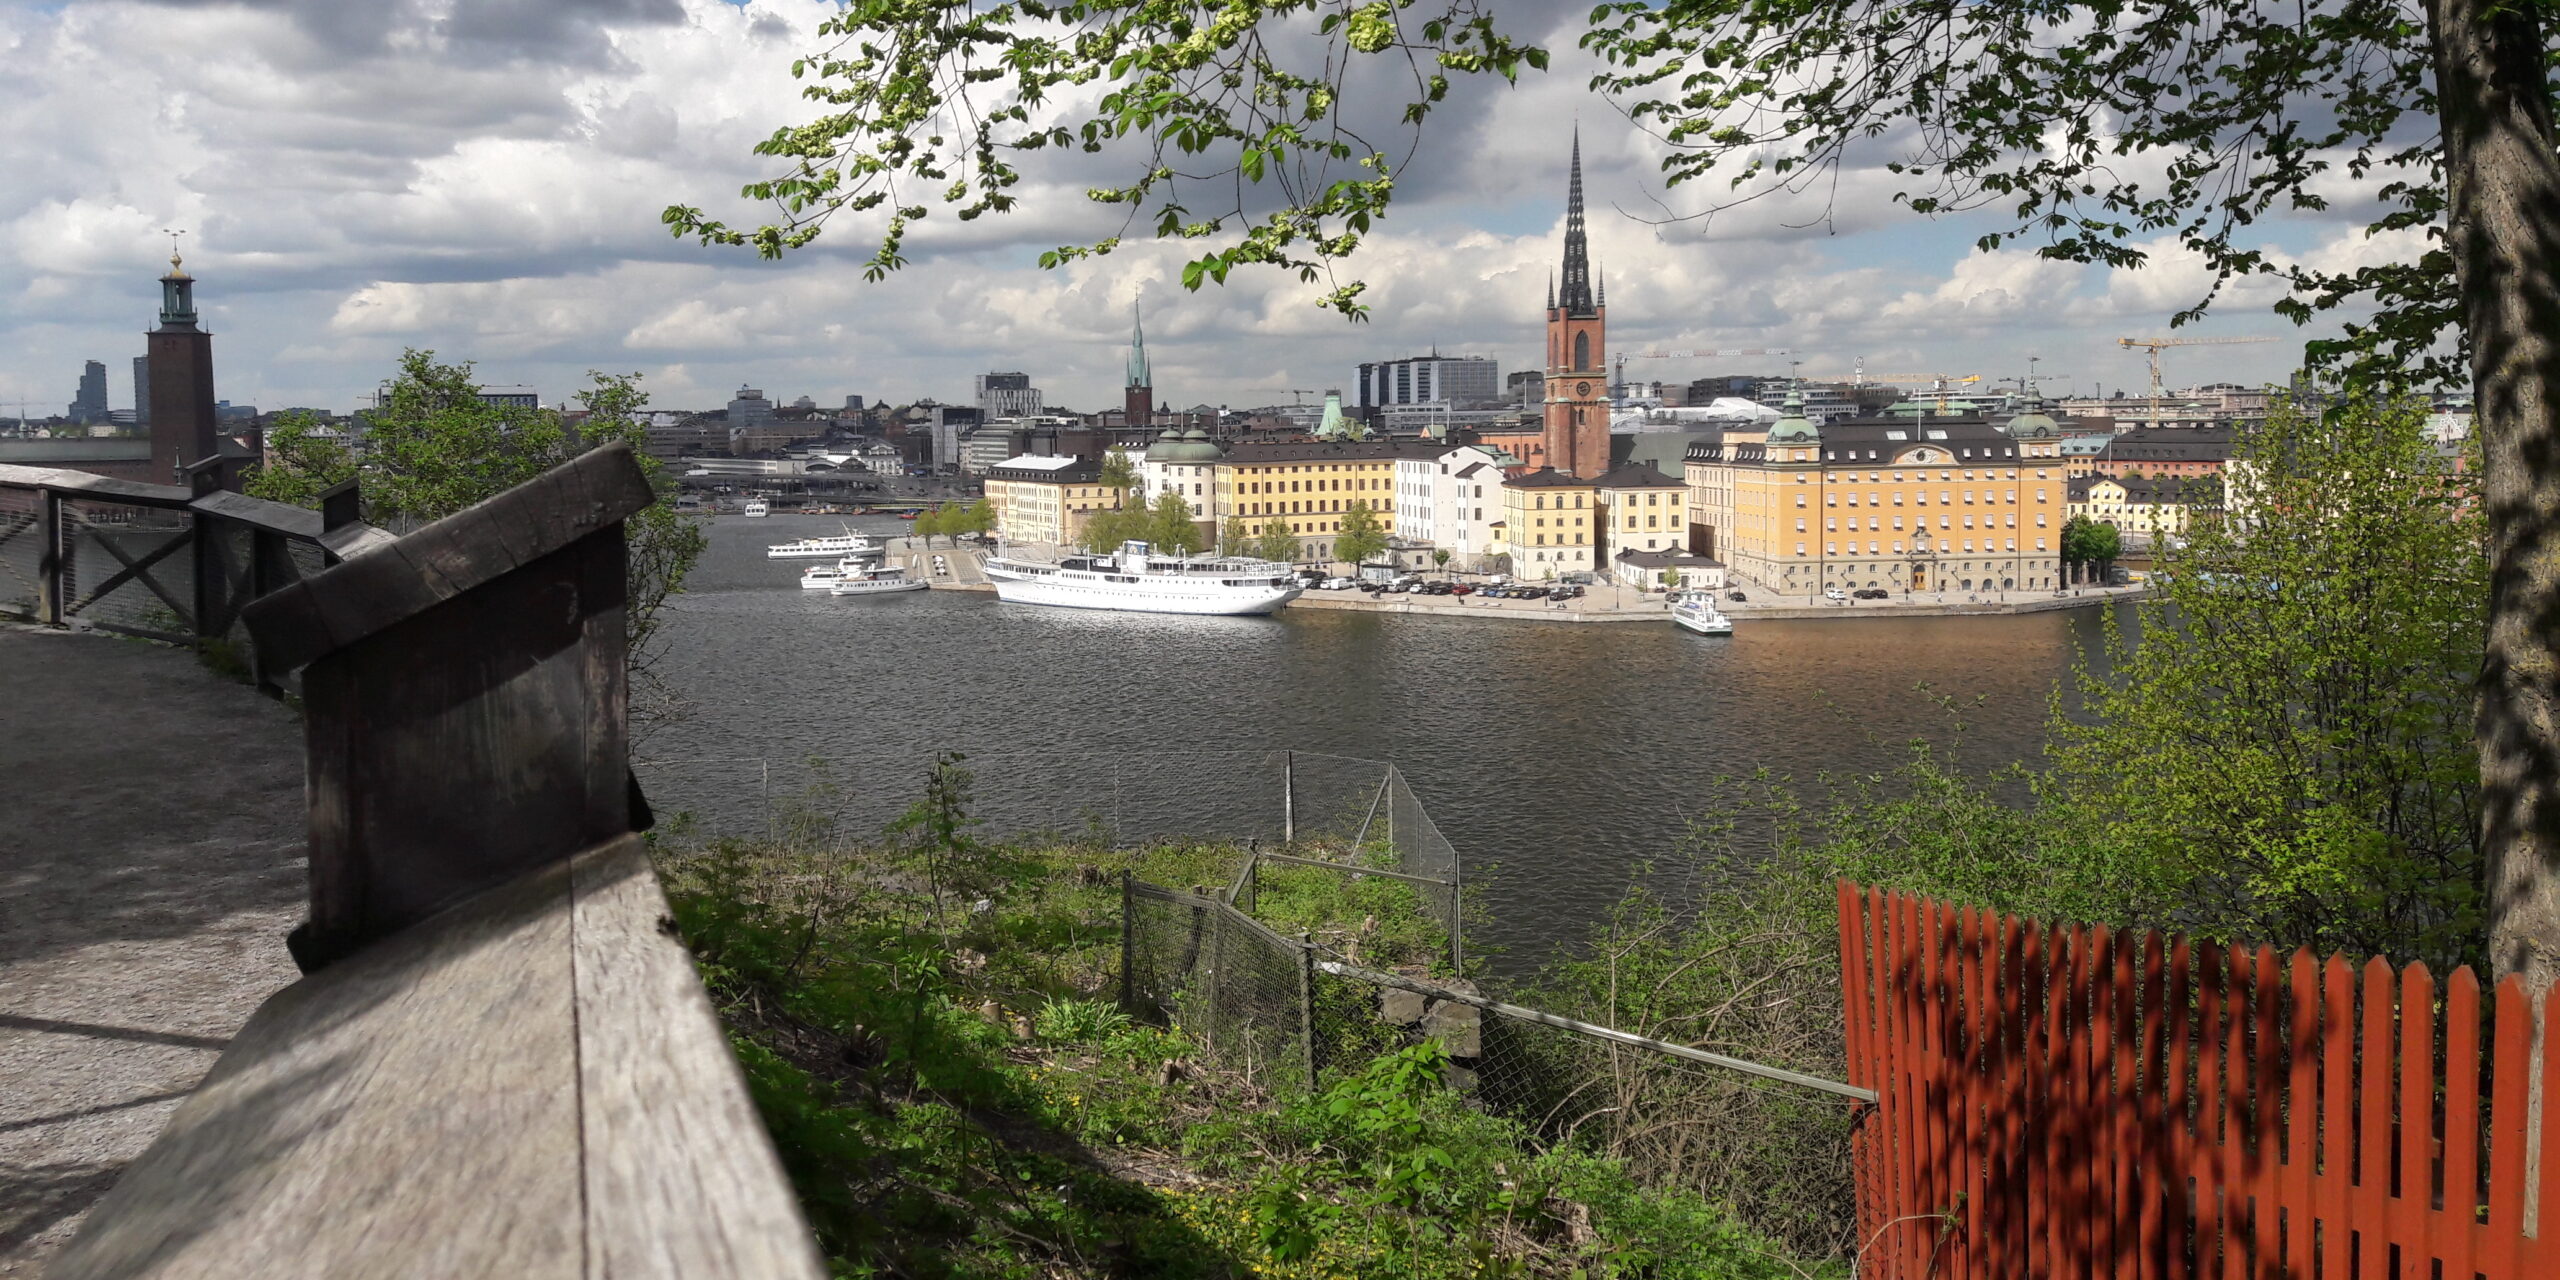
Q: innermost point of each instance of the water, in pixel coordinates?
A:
(1565, 754)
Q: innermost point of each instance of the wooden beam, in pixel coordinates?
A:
(140, 568)
(532, 1084)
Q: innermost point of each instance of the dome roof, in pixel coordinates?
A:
(1794, 428)
(1190, 447)
(2034, 421)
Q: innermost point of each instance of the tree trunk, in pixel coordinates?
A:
(2503, 227)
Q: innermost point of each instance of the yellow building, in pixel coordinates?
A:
(1916, 503)
(1307, 485)
(1045, 500)
(2137, 507)
(1641, 509)
(1550, 519)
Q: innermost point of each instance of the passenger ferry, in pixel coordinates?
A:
(819, 577)
(1138, 581)
(756, 507)
(851, 544)
(876, 580)
(1697, 611)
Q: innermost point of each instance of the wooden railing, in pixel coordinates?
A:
(2070, 1102)
(499, 1062)
(170, 562)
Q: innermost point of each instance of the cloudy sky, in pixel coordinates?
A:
(484, 178)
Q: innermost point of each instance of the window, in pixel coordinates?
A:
(1799, 524)
(2039, 519)
(1831, 525)
(1799, 548)
(1799, 501)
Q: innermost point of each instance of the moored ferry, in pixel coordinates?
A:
(850, 545)
(1137, 580)
(819, 577)
(756, 507)
(876, 580)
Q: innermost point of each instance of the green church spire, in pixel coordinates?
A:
(1139, 374)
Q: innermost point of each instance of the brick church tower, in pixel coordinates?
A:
(179, 358)
(1577, 426)
(1138, 397)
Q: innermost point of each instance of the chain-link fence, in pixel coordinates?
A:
(1243, 991)
(22, 551)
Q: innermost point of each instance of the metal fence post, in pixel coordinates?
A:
(1391, 811)
(1307, 1004)
(1288, 797)
(1128, 948)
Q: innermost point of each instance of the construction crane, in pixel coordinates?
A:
(2155, 344)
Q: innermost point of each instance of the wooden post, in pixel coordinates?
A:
(53, 566)
(465, 696)
(1307, 1004)
(1128, 945)
(213, 597)
(1288, 797)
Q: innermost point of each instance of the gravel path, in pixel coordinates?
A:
(150, 863)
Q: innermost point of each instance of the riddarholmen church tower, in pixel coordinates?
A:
(1577, 425)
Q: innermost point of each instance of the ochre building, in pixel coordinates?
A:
(1900, 504)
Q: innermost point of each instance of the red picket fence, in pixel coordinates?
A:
(2070, 1102)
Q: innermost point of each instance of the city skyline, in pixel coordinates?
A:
(516, 225)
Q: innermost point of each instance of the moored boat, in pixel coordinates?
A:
(1697, 611)
(850, 544)
(819, 577)
(756, 507)
(873, 580)
(1137, 580)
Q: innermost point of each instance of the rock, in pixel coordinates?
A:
(1458, 1027)
(1171, 1071)
(1398, 1007)
(1021, 1027)
(1458, 1079)
(967, 960)
(992, 1012)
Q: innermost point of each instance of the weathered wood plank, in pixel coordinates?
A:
(91, 485)
(409, 1112)
(259, 513)
(681, 1180)
(372, 592)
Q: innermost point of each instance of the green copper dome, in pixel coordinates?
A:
(2034, 421)
(1795, 428)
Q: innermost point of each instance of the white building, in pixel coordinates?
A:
(1450, 498)
(1184, 463)
(884, 459)
(1007, 395)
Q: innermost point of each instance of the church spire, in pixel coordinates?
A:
(1551, 291)
(1577, 249)
(1139, 374)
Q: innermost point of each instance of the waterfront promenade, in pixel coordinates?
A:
(1605, 602)
(151, 860)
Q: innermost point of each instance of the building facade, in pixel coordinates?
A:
(89, 403)
(1045, 500)
(1927, 504)
(1549, 524)
(1007, 395)
(749, 408)
(1307, 485)
(1575, 439)
(1459, 382)
(1450, 498)
(2141, 509)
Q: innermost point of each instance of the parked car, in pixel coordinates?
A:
(1462, 589)
(1337, 584)
(1870, 593)
(1834, 594)
(1737, 597)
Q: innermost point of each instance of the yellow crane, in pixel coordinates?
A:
(2154, 345)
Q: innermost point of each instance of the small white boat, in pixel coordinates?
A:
(851, 544)
(819, 577)
(756, 507)
(874, 580)
(1696, 610)
(1137, 581)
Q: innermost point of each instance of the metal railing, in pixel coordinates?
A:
(169, 562)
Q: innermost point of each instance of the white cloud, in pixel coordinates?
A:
(484, 179)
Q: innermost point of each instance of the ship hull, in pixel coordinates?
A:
(1141, 597)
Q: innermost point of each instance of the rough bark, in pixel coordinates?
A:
(2504, 230)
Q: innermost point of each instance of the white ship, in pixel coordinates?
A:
(756, 507)
(875, 580)
(820, 577)
(850, 545)
(1139, 581)
(1697, 611)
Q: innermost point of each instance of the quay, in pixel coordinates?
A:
(1605, 603)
